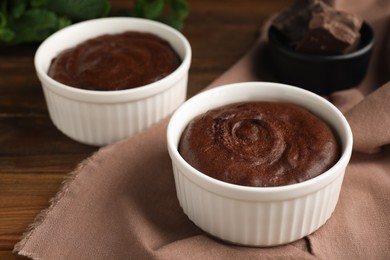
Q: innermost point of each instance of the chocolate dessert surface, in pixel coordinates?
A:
(115, 62)
(312, 26)
(259, 144)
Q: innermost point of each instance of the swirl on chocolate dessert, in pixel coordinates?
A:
(115, 61)
(259, 144)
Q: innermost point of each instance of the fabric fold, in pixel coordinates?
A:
(370, 121)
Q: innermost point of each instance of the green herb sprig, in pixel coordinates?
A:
(26, 21)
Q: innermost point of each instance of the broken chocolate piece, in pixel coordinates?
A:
(312, 26)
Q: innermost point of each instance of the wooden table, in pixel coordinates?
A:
(35, 157)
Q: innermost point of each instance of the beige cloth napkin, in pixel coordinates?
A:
(121, 202)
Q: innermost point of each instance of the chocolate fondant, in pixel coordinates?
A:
(259, 144)
(115, 61)
(312, 26)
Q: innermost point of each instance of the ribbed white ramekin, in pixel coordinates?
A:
(102, 117)
(257, 216)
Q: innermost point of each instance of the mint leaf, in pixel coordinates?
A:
(34, 25)
(39, 3)
(171, 12)
(178, 13)
(18, 7)
(179, 9)
(33, 20)
(79, 10)
(63, 22)
(3, 20)
(6, 35)
(149, 9)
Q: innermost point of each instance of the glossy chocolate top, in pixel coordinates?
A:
(115, 61)
(259, 144)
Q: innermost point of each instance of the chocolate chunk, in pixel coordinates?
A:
(312, 26)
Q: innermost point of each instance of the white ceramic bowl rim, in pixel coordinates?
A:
(95, 96)
(257, 193)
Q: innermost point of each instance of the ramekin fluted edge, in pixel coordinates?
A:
(256, 216)
(102, 117)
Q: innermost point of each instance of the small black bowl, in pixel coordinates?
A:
(322, 74)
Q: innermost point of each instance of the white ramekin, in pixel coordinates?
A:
(257, 216)
(102, 117)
